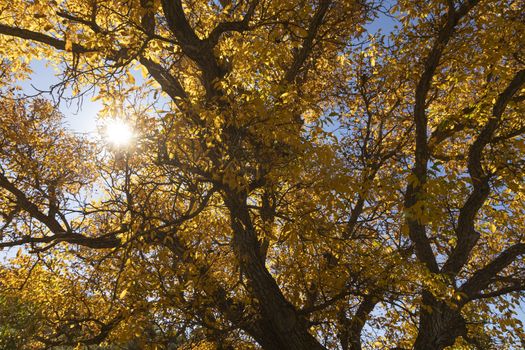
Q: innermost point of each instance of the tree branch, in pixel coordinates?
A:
(200, 51)
(465, 231)
(167, 81)
(301, 55)
(415, 188)
(59, 233)
(483, 277)
(236, 26)
(41, 38)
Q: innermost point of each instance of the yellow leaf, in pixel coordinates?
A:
(69, 45)
(130, 79)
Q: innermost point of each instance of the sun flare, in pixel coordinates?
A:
(118, 132)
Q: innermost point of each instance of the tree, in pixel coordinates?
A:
(17, 323)
(295, 182)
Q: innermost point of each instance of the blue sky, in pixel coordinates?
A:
(79, 117)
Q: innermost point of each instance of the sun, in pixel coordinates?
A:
(118, 132)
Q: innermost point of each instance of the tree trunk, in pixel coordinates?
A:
(439, 324)
(280, 326)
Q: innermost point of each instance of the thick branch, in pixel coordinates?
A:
(168, 82)
(356, 324)
(59, 233)
(483, 277)
(466, 233)
(519, 287)
(41, 38)
(200, 51)
(234, 26)
(103, 242)
(287, 329)
(24, 203)
(104, 331)
(306, 47)
(415, 188)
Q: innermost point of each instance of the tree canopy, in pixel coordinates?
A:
(294, 179)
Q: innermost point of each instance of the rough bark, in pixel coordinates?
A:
(281, 327)
(439, 324)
